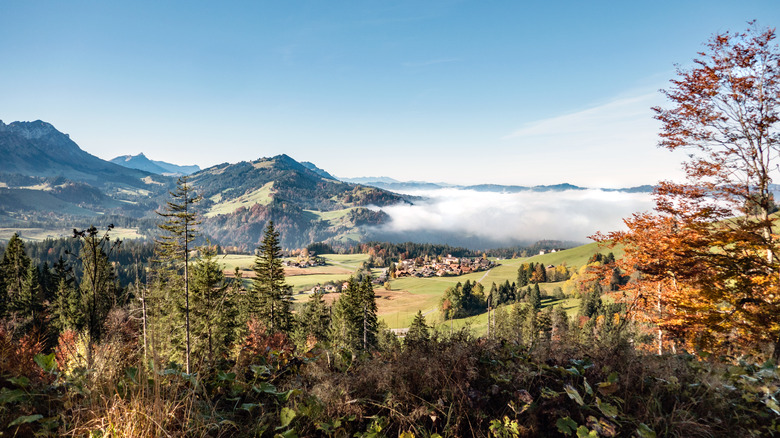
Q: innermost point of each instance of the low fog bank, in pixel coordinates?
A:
(481, 220)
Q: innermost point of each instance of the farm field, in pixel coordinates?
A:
(40, 234)
(408, 295)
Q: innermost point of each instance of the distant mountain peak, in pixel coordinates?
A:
(31, 130)
(141, 162)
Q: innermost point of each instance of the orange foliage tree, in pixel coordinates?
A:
(707, 258)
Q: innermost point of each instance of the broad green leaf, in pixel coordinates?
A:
(286, 416)
(583, 432)
(606, 408)
(25, 419)
(588, 389)
(9, 396)
(223, 376)
(566, 425)
(265, 387)
(47, 362)
(287, 434)
(573, 394)
(644, 431)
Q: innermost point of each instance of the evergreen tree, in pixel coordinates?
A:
(418, 333)
(173, 250)
(13, 269)
(214, 313)
(313, 322)
(355, 324)
(27, 306)
(270, 295)
(66, 307)
(535, 298)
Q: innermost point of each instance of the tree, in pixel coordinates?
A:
(98, 288)
(173, 246)
(214, 313)
(355, 324)
(313, 321)
(270, 295)
(418, 333)
(710, 266)
(13, 269)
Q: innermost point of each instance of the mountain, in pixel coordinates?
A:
(140, 162)
(317, 170)
(391, 184)
(305, 206)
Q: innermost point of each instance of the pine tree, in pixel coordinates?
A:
(313, 322)
(355, 324)
(13, 269)
(270, 295)
(27, 306)
(214, 314)
(536, 298)
(173, 250)
(418, 331)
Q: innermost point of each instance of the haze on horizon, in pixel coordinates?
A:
(453, 91)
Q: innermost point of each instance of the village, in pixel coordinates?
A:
(441, 266)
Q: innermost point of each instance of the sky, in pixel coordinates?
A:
(463, 92)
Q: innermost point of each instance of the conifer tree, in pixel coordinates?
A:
(418, 331)
(27, 306)
(173, 249)
(313, 322)
(536, 298)
(270, 295)
(13, 269)
(214, 314)
(355, 323)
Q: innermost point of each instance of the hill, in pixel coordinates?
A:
(38, 149)
(141, 162)
(304, 205)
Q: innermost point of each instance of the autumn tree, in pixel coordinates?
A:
(711, 255)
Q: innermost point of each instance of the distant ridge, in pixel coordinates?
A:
(38, 149)
(141, 162)
(391, 184)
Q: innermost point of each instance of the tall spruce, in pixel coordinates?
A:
(214, 313)
(270, 296)
(313, 321)
(173, 247)
(355, 324)
(13, 269)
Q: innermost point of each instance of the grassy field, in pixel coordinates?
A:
(39, 234)
(260, 196)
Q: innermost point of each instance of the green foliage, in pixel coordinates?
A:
(354, 321)
(419, 332)
(270, 296)
(312, 322)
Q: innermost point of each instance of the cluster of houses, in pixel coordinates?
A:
(304, 262)
(446, 266)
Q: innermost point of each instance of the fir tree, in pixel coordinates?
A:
(270, 295)
(13, 269)
(173, 250)
(214, 314)
(355, 324)
(536, 297)
(418, 333)
(313, 322)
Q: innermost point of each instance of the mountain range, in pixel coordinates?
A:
(140, 162)
(47, 180)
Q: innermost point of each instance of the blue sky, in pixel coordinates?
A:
(466, 92)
